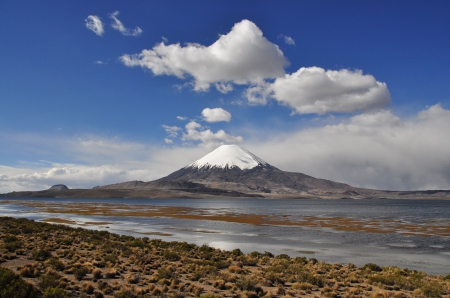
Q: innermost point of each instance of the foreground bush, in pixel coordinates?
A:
(13, 286)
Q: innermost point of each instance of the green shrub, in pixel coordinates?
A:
(49, 280)
(300, 260)
(55, 293)
(431, 289)
(283, 257)
(11, 243)
(13, 286)
(137, 243)
(236, 252)
(372, 267)
(171, 255)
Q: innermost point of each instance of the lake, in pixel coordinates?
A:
(404, 233)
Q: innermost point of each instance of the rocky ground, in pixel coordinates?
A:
(61, 261)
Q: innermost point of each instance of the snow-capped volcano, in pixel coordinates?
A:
(232, 171)
(229, 156)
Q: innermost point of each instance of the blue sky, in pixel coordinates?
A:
(355, 91)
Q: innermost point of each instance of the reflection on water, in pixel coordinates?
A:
(386, 232)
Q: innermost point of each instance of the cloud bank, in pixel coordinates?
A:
(94, 24)
(373, 150)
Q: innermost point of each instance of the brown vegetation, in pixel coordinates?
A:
(61, 261)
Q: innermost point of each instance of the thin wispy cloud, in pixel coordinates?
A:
(172, 131)
(118, 25)
(94, 24)
(287, 39)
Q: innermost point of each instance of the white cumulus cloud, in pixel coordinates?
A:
(118, 25)
(195, 132)
(319, 91)
(95, 24)
(242, 56)
(216, 115)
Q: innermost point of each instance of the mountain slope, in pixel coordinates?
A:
(231, 167)
(232, 171)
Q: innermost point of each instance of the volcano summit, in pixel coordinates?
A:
(232, 171)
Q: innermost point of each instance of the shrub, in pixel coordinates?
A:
(111, 273)
(431, 289)
(26, 272)
(49, 280)
(80, 273)
(13, 286)
(372, 267)
(40, 254)
(274, 278)
(300, 260)
(111, 258)
(268, 254)
(236, 252)
(125, 293)
(171, 255)
(302, 286)
(55, 293)
(246, 284)
(137, 243)
(97, 273)
(56, 264)
(88, 288)
(283, 257)
(11, 243)
(164, 273)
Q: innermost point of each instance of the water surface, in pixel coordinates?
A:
(399, 234)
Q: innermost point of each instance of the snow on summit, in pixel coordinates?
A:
(228, 156)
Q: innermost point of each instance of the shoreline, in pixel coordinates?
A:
(152, 267)
(427, 228)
